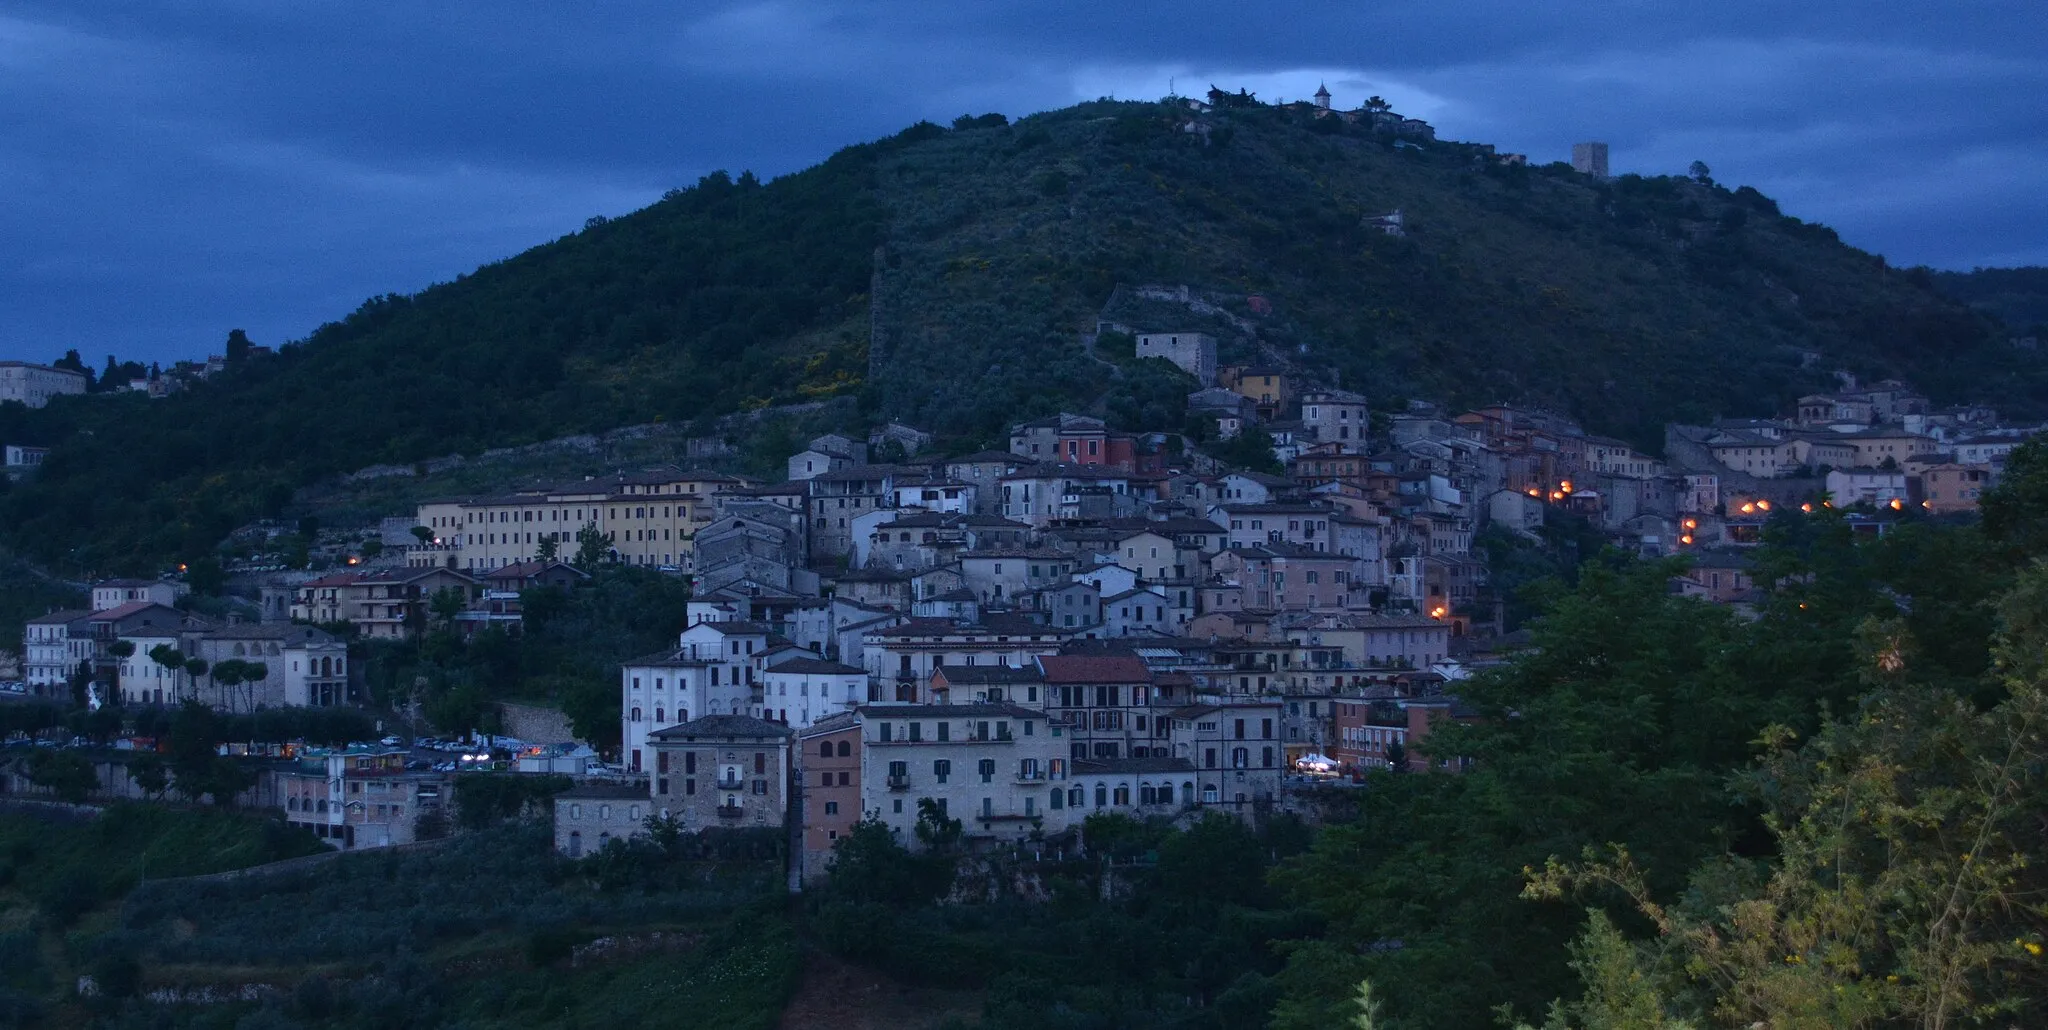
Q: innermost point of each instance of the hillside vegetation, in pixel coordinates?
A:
(2017, 296)
(991, 247)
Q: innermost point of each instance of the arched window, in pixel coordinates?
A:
(636, 715)
(824, 749)
(1076, 797)
(1187, 793)
(844, 748)
(604, 811)
(659, 713)
(291, 804)
(1101, 795)
(575, 844)
(1123, 794)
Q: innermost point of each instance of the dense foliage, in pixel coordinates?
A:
(2018, 296)
(566, 655)
(1157, 927)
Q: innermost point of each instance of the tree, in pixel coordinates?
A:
(1699, 172)
(68, 774)
(446, 604)
(229, 674)
(205, 576)
(547, 548)
(591, 547)
(423, 534)
(2016, 510)
(237, 346)
(150, 773)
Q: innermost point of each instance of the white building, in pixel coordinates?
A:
(34, 385)
(53, 646)
(800, 691)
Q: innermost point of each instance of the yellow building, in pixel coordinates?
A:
(649, 518)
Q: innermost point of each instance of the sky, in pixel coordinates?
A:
(170, 171)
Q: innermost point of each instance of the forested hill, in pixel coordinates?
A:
(990, 248)
(2018, 296)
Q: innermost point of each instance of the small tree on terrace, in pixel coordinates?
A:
(591, 546)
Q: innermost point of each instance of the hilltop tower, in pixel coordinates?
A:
(1590, 159)
(1322, 96)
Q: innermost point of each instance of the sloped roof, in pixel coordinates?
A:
(722, 726)
(1094, 669)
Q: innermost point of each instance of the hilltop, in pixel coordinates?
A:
(951, 277)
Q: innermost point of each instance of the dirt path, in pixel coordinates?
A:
(838, 996)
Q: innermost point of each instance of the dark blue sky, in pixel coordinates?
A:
(169, 171)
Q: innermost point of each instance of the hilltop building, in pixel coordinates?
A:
(34, 385)
(1590, 159)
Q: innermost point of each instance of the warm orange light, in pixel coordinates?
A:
(1806, 507)
(181, 566)
(1692, 524)
(1438, 612)
(1686, 539)
(1533, 492)
(1566, 486)
(1897, 504)
(1555, 496)
(1747, 508)
(1763, 505)
(1927, 504)
(352, 560)
(1827, 504)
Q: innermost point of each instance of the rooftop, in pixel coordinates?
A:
(722, 726)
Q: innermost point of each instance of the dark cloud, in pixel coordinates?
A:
(170, 171)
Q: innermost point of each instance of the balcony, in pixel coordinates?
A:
(1030, 775)
(731, 811)
(736, 783)
(899, 783)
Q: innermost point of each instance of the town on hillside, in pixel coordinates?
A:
(1086, 621)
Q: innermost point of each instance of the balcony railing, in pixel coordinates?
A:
(735, 783)
(899, 783)
(1030, 775)
(730, 811)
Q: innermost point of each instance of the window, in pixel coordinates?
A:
(988, 770)
(941, 769)
(1059, 799)
(831, 808)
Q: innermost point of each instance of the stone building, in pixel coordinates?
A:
(1195, 353)
(722, 771)
(589, 816)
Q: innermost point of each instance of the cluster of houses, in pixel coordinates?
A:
(1085, 621)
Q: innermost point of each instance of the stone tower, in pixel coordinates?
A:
(1322, 96)
(1590, 159)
